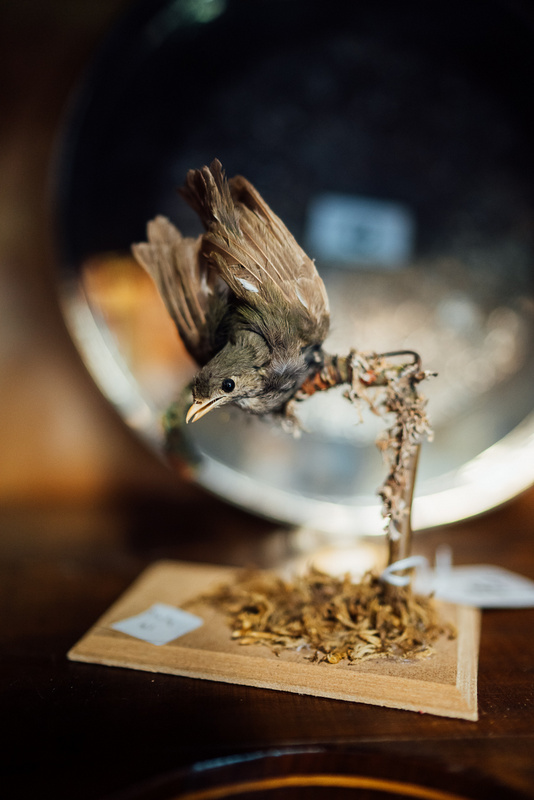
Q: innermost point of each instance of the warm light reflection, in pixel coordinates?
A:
(123, 295)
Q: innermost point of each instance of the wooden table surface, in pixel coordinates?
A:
(101, 729)
(83, 509)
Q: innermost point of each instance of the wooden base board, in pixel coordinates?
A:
(444, 684)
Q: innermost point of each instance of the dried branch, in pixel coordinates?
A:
(389, 389)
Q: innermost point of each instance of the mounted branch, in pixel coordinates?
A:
(389, 389)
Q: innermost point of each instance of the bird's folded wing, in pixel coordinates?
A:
(254, 252)
(184, 281)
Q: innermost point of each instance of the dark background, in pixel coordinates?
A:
(83, 508)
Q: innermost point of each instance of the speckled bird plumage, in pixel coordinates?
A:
(247, 301)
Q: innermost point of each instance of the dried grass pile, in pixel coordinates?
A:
(330, 618)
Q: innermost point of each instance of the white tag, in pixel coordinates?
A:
(358, 230)
(479, 585)
(159, 624)
(389, 574)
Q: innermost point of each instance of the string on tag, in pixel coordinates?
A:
(389, 573)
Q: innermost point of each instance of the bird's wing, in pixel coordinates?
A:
(186, 284)
(254, 252)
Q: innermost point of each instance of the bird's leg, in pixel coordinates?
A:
(331, 371)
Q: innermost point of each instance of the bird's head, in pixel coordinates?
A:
(247, 374)
(234, 375)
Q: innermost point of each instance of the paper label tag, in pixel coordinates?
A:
(480, 585)
(159, 624)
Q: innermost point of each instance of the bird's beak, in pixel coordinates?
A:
(201, 407)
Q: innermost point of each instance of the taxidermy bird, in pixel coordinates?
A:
(247, 301)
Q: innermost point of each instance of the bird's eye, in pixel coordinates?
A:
(228, 385)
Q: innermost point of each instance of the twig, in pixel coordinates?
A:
(388, 388)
